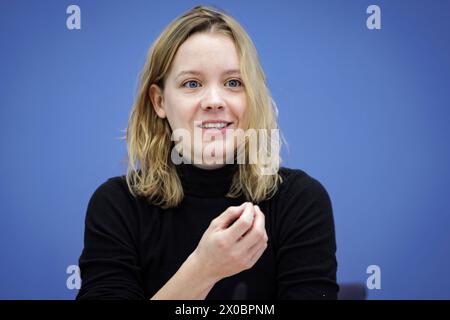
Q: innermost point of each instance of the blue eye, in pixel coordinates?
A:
(235, 83)
(191, 81)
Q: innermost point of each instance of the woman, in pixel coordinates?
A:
(202, 217)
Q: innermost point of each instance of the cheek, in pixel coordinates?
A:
(241, 111)
(180, 113)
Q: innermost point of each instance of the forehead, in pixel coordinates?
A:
(206, 51)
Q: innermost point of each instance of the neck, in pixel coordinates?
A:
(214, 181)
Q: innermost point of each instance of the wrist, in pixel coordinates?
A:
(199, 270)
(188, 283)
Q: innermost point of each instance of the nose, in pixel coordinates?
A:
(212, 100)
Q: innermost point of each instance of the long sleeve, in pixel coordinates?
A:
(306, 260)
(109, 261)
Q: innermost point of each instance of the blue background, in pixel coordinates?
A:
(366, 112)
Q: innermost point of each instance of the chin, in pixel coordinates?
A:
(219, 154)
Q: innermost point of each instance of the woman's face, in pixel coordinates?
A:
(203, 93)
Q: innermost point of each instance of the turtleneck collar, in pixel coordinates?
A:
(206, 182)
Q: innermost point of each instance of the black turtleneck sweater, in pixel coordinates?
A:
(132, 248)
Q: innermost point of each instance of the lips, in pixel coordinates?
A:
(214, 124)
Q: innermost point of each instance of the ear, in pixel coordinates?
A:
(157, 99)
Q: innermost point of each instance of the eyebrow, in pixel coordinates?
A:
(195, 72)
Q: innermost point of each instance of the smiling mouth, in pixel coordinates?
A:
(215, 125)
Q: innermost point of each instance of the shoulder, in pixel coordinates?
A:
(113, 188)
(301, 199)
(302, 207)
(111, 185)
(296, 182)
(111, 199)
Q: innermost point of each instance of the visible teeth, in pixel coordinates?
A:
(214, 125)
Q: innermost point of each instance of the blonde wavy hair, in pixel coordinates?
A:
(151, 173)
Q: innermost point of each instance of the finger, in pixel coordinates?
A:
(228, 216)
(241, 225)
(255, 207)
(257, 233)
